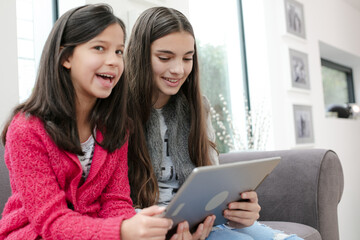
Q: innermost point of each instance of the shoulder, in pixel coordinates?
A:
(24, 126)
(26, 122)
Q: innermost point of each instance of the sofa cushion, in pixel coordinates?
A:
(303, 231)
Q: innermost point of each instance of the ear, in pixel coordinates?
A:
(67, 62)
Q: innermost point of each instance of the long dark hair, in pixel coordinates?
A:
(53, 97)
(155, 23)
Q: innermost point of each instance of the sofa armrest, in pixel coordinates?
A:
(5, 189)
(305, 187)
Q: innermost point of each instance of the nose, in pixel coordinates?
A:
(177, 67)
(113, 59)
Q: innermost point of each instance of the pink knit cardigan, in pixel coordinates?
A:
(45, 182)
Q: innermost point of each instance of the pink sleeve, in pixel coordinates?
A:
(116, 197)
(43, 201)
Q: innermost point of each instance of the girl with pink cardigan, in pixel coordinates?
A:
(66, 146)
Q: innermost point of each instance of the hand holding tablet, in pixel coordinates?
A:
(208, 190)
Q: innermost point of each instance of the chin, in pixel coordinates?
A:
(172, 92)
(103, 95)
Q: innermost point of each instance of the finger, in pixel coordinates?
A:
(150, 214)
(152, 211)
(183, 231)
(241, 214)
(244, 206)
(208, 228)
(208, 223)
(179, 231)
(156, 233)
(175, 237)
(154, 222)
(204, 229)
(251, 196)
(147, 232)
(186, 233)
(199, 232)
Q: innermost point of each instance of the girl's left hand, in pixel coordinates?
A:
(244, 213)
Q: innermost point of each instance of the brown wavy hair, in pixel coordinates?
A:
(152, 24)
(53, 97)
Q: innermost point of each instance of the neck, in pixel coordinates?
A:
(83, 109)
(161, 100)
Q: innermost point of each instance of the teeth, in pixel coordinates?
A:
(106, 75)
(171, 80)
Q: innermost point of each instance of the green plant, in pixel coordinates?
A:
(254, 136)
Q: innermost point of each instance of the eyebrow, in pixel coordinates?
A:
(170, 52)
(105, 42)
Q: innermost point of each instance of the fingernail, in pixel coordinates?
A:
(162, 208)
(175, 236)
(201, 226)
(186, 226)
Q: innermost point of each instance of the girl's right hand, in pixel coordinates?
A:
(145, 225)
(202, 232)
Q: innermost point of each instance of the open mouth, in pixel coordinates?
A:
(172, 80)
(106, 76)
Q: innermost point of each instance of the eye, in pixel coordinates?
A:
(119, 52)
(164, 58)
(99, 48)
(188, 57)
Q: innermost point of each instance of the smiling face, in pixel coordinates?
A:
(96, 66)
(172, 62)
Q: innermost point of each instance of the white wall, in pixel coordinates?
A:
(341, 135)
(335, 23)
(9, 93)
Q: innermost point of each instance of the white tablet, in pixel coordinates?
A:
(208, 190)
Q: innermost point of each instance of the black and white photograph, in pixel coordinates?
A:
(304, 132)
(299, 69)
(295, 22)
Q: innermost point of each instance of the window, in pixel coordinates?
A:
(65, 5)
(35, 19)
(34, 22)
(338, 86)
(219, 36)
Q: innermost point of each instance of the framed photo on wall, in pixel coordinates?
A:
(295, 22)
(299, 69)
(304, 132)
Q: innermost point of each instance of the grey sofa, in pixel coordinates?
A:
(5, 189)
(300, 196)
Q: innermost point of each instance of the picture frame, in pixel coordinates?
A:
(304, 131)
(299, 66)
(295, 21)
